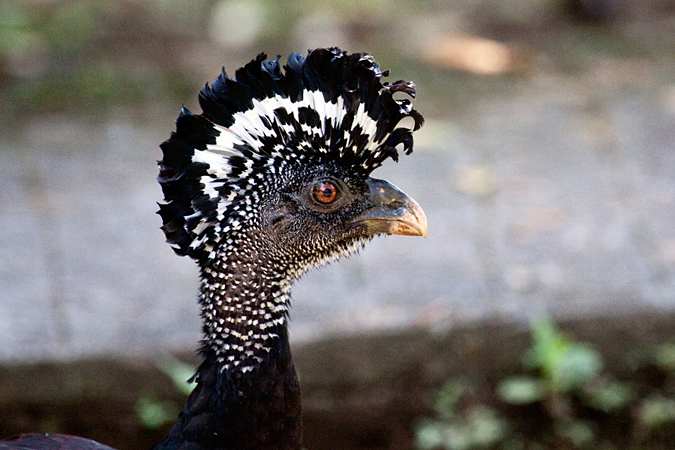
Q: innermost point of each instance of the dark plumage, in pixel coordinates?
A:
(271, 180)
(30, 441)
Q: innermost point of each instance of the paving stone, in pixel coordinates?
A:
(564, 209)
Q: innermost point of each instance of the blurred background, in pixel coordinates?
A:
(546, 169)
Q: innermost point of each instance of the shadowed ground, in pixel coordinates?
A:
(548, 187)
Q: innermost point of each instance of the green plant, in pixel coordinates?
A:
(565, 372)
(563, 367)
(459, 428)
(565, 381)
(154, 413)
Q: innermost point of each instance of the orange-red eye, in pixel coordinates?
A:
(325, 192)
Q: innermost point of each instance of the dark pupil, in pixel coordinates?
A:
(327, 192)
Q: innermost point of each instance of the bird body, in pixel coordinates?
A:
(29, 441)
(234, 410)
(272, 179)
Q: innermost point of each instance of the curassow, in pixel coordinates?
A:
(272, 179)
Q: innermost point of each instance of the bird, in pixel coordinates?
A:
(271, 180)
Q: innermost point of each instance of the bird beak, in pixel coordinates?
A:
(393, 212)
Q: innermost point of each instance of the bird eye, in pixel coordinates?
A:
(325, 192)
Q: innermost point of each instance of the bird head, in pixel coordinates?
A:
(282, 157)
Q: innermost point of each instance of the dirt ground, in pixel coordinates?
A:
(585, 126)
(363, 392)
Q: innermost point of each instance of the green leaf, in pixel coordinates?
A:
(549, 346)
(578, 366)
(153, 414)
(449, 436)
(609, 396)
(579, 432)
(448, 398)
(665, 356)
(178, 371)
(564, 364)
(428, 435)
(480, 427)
(657, 410)
(487, 428)
(521, 390)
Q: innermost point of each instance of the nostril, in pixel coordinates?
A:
(394, 203)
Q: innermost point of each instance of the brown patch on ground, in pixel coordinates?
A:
(358, 392)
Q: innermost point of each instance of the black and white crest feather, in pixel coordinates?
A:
(328, 108)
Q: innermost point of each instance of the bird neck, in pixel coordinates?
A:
(247, 395)
(244, 299)
(233, 410)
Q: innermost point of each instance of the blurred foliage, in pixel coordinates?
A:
(564, 400)
(69, 55)
(73, 54)
(180, 373)
(154, 413)
(563, 366)
(458, 427)
(86, 55)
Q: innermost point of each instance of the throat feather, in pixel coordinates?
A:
(243, 310)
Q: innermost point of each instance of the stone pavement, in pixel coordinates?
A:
(558, 197)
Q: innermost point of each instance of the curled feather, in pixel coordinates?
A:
(327, 107)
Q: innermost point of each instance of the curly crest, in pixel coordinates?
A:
(329, 107)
